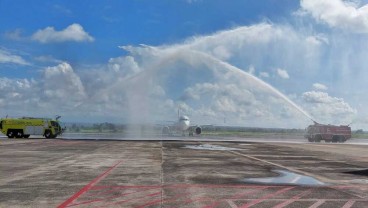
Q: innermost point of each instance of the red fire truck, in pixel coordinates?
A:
(329, 133)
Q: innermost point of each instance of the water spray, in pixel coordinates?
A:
(183, 52)
(243, 73)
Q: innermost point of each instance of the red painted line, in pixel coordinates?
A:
(237, 196)
(293, 199)
(88, 186)
(85, 202)
(349, 204)
(167, 201)
(109, 198)
(342, 190)
(128, 200)
(200, 199)
(148, 194)
(268, 196)
(155, 194)
(318, 203)
(151, 202)
(124, 187)
(112, 190)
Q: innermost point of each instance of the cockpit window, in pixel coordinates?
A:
(183, 118)
(55, 124)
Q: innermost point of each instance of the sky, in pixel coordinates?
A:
(259, 63)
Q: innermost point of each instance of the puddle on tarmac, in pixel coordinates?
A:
(287, 178)
(209, 147)
(361, 181)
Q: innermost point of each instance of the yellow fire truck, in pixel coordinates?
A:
(26, 126)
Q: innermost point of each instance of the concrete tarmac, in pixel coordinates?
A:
(202, 173)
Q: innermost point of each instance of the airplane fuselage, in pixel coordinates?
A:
(183, 124)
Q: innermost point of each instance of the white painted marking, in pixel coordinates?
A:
(349, 204)
(232, 204)
(296, 179)
(318, 203)
(209, 147)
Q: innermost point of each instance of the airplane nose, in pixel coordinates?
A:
(184, 125)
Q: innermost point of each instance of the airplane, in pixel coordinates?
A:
(182, 125)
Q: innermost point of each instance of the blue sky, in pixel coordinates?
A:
(108, 60)
(114, 23)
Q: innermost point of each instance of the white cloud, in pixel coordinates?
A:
(319, 86)
(61, 82)
(8, 58)
(264, 74)
(14, 35)
(125, 66)
(282, 73)
(18, 96)
(318, 97)
(327, 109)
(47, 58)
(74, 32)
(62, 9)
(59, 92)
(344, 15)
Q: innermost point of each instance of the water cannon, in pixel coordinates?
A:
(57, 117)
(315, 122)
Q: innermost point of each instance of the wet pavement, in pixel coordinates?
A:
(285, 177)
(203, 173)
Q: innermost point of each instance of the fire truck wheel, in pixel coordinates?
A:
(48, 134)
(26, 136)
(19, 134)
(10, 134)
